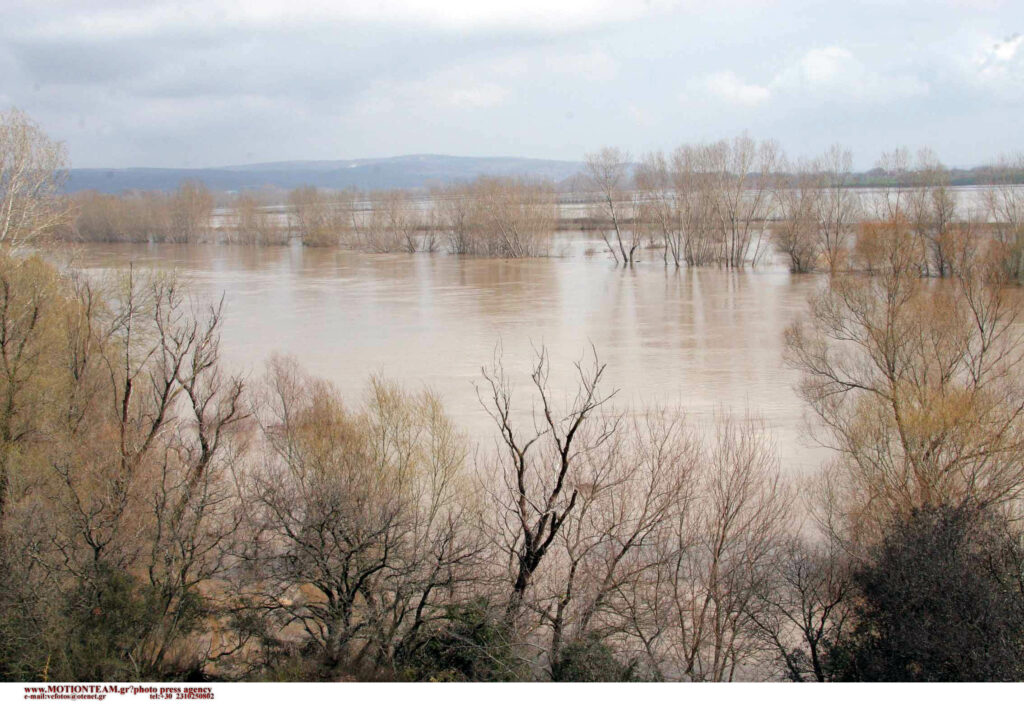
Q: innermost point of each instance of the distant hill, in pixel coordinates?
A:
(414, 171)
(411, 171)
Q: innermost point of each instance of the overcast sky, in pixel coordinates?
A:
(217, 82)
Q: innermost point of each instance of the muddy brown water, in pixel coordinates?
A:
(706, 339)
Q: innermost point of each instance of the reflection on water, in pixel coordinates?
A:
(703, 338)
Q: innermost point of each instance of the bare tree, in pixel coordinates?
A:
(191, 208)
(95, 219)
(539, 467)
(796, 231)
(29, 301)
(455, 214)
(519, 217)
(393, 224)
(631, 490)
(1004, 201)
(360, 527)
(254, 224)
(804, 607)
(33, 169)
(916, 387)
(322, 219)
(838, 207)
(691, 610)
(741, 173)
(895, 170)
(694, 194)
(606, 176)
(131, 475)
(134, 217)
(723, 198)
(661, 204)
(932, 210)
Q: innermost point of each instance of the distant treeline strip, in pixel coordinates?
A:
(726, 203)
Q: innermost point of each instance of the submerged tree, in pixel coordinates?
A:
(191, 208)
(932, 211)
(797, 230)
(1004, 202)
(606, 176)
(838, 208)
(254, 223)
(495, 217)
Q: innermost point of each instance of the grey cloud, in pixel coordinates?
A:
(230, 82)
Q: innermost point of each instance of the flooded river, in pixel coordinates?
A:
(705, 339)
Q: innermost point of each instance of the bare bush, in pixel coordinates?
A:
(393, 224)
(183, 216)
(497, 217)
(322, 219)
(191, 207)
(456, 217)
(134, 217)
(519, 217)
(253, 224)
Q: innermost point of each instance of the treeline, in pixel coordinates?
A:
(164, 519)
(730, 203)
(489, 217)
(150, 216)
(820, 223)
(727, 203)
(704, 204)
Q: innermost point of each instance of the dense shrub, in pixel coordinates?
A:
(939, 601)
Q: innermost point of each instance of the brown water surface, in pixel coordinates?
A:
(705, 339)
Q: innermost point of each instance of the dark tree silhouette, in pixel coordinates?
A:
(939, 601)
